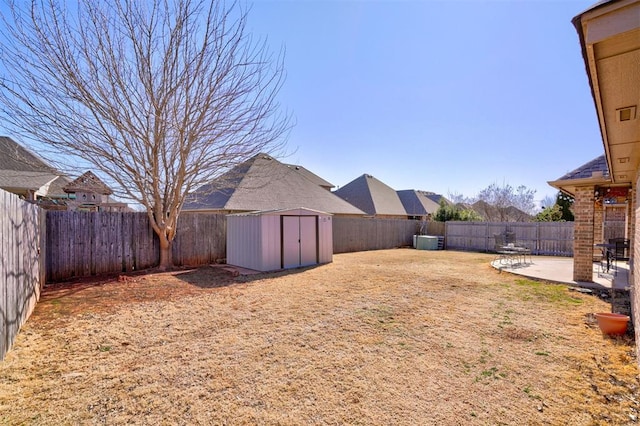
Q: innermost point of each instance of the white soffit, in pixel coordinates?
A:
(612, 38)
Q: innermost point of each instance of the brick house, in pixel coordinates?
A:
(604, 211)
(609, 34)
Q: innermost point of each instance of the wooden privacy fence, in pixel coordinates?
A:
(83, 243)
(543, 238)
(361, 234)
(93, 243)
(21, 270)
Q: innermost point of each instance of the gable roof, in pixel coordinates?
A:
(21, 170)
(88, 182)
(371, 195)
(264, 183)
(418, 203)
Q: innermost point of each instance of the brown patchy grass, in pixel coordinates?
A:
(399, 337)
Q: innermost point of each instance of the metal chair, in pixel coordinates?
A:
(619, 251)
(506, 255)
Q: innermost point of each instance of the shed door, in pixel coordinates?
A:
(299, 241)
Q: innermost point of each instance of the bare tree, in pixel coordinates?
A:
(504, 203)
(162, 96)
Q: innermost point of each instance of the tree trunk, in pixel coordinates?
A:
(166, 257)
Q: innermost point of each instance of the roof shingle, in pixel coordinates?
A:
(264, 183)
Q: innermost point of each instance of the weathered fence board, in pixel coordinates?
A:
(543, 238)
(201, 239)
(93, 243)
(20, 268)
(88, 243)
(360, 234)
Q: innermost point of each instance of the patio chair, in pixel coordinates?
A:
(602, 258)
(506, 255)
(522, 251)
(619, 251)
(509, 237)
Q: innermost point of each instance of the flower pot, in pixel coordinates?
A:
(613, 324)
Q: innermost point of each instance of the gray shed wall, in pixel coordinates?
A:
(254, 241)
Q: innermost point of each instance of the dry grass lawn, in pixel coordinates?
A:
(393, 337)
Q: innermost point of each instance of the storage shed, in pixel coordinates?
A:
(279, 239)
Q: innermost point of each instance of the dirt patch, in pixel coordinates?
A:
(386, 337)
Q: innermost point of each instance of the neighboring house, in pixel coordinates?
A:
(25, 174)
(436, 198)
(373, 197)
(609, 34)
(419, 205)
(491, 213)
(263, 183)
(311, 176)
(89, 193)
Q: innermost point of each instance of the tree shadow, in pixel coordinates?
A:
(216, 276)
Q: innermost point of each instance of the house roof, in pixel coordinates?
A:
(88, 182)
(418, 203)
(21, 181)
(311, 176)
(436, 198)
(492, 213)
(372, 196)
(16, 157)
(593, 172)
(609, 34)
(597, 166)
(264, 183)
(21, 170)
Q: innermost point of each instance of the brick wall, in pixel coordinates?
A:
(583, 210)
(598, 219)
(631, 219)
(635, 265)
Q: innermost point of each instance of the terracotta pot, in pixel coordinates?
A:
(614, 324)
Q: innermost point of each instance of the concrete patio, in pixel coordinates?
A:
(560, 270)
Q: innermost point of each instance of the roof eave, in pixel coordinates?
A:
(568, 185)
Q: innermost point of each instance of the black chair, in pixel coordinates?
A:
(620, 251)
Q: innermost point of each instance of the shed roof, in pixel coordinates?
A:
(295, 212)
(264, 183)
(373, 196)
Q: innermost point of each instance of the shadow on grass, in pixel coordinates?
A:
(216, 276)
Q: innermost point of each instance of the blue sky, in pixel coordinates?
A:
(440, 96)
